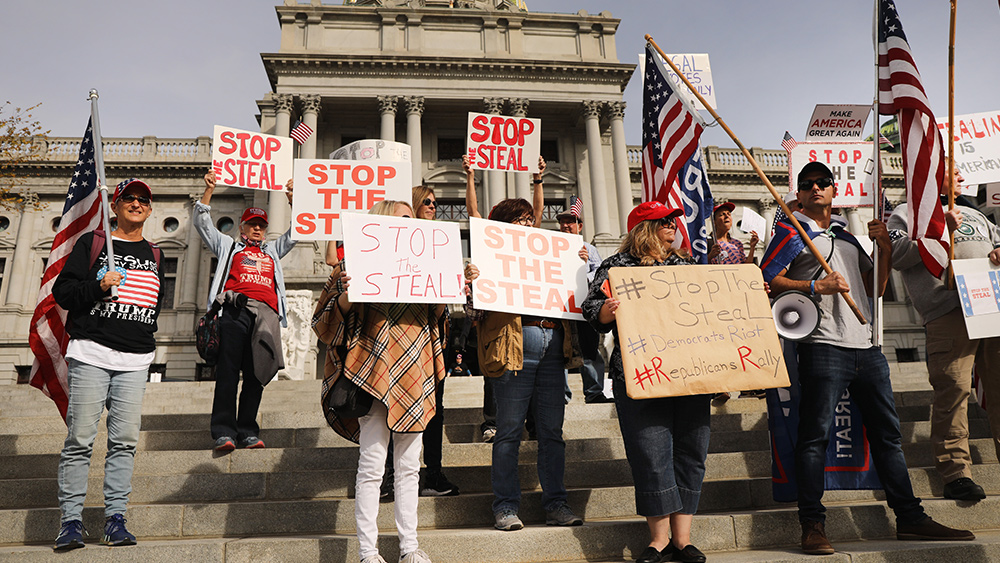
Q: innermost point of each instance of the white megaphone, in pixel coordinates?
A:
(795, 314)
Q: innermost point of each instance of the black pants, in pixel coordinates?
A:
(235, 354)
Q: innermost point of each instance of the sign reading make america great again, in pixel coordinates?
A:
(692, 330)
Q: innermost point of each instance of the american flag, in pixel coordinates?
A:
(788, 143)
(670, 133)
(576, 206)
(301, 132)
(901, 92)
(141, 287)
(47, 334)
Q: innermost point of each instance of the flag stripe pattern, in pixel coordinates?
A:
(141, 288)
(670, 134)
(301, 132)
(576, 206)
(900, 92)
(788, 143)
(47, 334)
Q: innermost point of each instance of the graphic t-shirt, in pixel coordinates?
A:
(252, 274)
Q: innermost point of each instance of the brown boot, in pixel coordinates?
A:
(814, 540)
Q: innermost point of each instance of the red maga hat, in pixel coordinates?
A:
(727, 205)
(650, 211)
(254, 213)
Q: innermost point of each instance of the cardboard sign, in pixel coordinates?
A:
(403, 260)
(978, 282)
(837, 122)
(500, 142)
(377, 149)
(698, 71)
(325, 188)
(692, 330)
(852, 166)
(977, 147)
(245, 159)
(527, 270)
(753, 222)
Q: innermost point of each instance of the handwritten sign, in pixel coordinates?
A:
(698, 71)
(852, 166)
(499, 142)
(837, 122)
(325, 188)
(753, 222)
(691, 330)
(369, 149)
(977, 147)
(978, 282)
(245, 159)
(402, 260)
(527, 270)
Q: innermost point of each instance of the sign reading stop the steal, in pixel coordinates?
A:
(326, 188)
(245, 159)
(499, 142)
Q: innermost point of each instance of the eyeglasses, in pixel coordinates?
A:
(525, 220)
(129, 198)
(668, 222)
(430, 202)
(823, 183)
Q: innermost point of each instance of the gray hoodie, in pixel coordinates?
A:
(975, 238)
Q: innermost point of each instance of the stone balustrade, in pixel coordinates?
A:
(120, 149)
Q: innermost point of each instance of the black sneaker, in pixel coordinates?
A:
(70, 536)
(437, 485)
(964, 488)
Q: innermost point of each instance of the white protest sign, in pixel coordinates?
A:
(698, 71)
(403, 260)
(500, 142)
(753, 222)
(325, 188)
(993, 195)
(527, 270)
(852, 166)
(837, 122)
(245, 159)
(368, 149)
(977, 148)
(978, 282)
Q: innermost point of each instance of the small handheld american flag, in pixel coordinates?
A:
(301, 132)
(576, 206)
(788, 143)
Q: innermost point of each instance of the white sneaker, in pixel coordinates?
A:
(489, 434)
(373, 559)
(417, 556)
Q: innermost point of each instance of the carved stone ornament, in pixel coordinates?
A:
(283, 102)
(493, 105)
(616, 110)
(518, 106)
(592, 108)
(414, 105)
(297, 339)
(387, 104)
(310, 103)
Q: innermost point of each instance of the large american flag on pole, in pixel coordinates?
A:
(670, 133)
(47, 335)
(900, 92)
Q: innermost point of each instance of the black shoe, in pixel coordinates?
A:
(437, 485)
(690, 554)
(598, 399)
(653, 555)
(928, 529)
(964, 488)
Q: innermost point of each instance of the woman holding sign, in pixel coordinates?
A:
(392, 352)
(666, 439)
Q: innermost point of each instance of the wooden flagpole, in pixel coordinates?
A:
(951, 140)
(760, 173)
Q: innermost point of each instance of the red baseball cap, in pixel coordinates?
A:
(254, 213)
(727, 205)
(131, 182)
(650, 211)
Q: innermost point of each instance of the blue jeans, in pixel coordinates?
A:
(825, 371)
(543, 380)
(91, 389)
(592, 370)
(666, 443)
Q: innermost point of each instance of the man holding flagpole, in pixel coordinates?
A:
(110, 348)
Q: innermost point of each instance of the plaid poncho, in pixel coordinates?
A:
(391, 350)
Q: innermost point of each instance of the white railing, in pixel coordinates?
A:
(117, 149)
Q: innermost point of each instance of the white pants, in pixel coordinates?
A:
(371, 465)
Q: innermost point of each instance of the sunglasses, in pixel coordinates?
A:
(129, 198)
(430, 202)
(823, 183)
(668, 222)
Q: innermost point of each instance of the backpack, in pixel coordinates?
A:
(207, 333)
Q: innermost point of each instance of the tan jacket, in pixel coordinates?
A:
(500, 344)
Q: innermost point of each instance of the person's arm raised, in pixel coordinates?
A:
(471, 204)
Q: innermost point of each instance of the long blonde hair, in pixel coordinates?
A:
(643, 243)
(388, 207)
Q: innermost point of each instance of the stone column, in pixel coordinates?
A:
(310, 116)
(192, 262)
(598, 192)
(414, 110)
(496, 181)
(522, 180)
(619, 150)
(387, 111)
(20, 267)
(856, 223)
(277, 203)
(767, 209)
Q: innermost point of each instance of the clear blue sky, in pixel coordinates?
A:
(157, 64)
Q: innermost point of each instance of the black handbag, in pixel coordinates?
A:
(348, 400)
(208, 337)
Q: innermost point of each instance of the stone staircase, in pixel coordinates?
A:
(294, 500)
